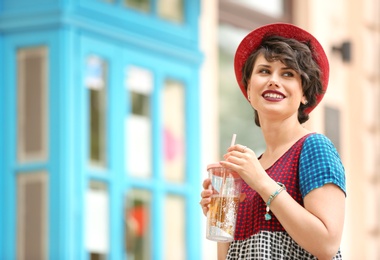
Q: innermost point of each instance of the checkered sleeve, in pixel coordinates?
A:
(320, 164)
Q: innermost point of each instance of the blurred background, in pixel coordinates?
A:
(110, 111)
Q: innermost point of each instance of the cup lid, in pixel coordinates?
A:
(219, 172)
(214, 165)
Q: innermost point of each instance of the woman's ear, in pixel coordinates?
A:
(304, 100)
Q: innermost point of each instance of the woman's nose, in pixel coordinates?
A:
(273, 82)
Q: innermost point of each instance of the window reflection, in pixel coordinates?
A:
(137, 225)
(248, 132)
(97, 256)
(96, 79)
(138, 123)
(141, 5)
(174, 130)
(273, 8)
(171, 10)
(175, 226)
(332, 125)
(140, 104)
(97, 220)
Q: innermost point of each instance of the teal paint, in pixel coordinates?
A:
(71, 30)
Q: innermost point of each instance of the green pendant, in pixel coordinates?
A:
(268, 216)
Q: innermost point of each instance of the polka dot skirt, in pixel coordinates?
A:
(269, 245)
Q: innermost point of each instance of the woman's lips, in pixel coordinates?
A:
(274, 96)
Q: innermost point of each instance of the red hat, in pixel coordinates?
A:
(253, 40)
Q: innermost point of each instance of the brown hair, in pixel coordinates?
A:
(295, 55)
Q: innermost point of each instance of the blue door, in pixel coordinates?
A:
(140, 141)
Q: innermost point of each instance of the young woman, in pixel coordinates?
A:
(295, 191)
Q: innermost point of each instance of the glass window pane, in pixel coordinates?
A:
(32, 215)
(139, 84)
(273, 8)
(96, 81)
(241, 123)
(332, 125)
(138, 232)
(175, 240)
(174, 130)
(97, 220)
(140, 104)
(32, 104)
(97, 256)
(171, 10)
(141, 5)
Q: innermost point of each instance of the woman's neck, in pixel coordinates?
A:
(281, 135)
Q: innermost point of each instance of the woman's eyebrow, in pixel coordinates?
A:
(263, 65)
(287, 68)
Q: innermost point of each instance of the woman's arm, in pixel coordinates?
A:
(318, 226)
(223, 250)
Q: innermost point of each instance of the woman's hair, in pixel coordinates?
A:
(295, 55)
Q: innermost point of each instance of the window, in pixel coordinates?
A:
(32, 117)
(32, 212)
(236, 20)
(274, 8)
(141, 5)
(138, 135)
(138, 231)
(249, 14)
(332, 125)
(174, 130)
(175, 239)
(239, 121)
(96, 82)
(97, 220)
(171, 10)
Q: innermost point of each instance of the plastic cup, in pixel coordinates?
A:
(222, 214)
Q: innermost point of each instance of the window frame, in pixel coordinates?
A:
(247, 18)
(115, 176)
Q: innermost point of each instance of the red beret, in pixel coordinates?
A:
(253, 40)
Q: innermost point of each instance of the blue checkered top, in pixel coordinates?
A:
(320, 164)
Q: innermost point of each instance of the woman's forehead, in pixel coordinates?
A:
(262, 61)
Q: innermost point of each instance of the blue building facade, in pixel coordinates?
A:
(100, 133)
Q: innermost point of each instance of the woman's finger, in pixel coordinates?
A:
(206, 183)
(206, 193)
(239, 148)
(204, 204)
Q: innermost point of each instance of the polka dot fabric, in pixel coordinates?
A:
(270, 246)
(256, 238)
(251, 213)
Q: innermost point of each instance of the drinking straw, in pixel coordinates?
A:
(229, 175)
(233, 140)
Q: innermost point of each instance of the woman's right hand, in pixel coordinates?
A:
(206, 195)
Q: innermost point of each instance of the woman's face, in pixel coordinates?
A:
(275, 90)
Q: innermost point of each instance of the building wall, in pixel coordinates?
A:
(354, 89)
(209, 103)
(85, 206)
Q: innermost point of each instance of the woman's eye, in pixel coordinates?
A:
(288, 74)
(264, 71)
